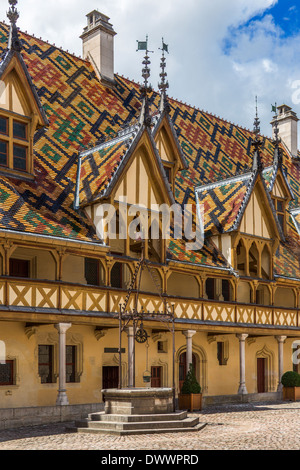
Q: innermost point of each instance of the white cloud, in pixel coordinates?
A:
(258, 59)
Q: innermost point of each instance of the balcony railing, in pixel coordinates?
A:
(50, 295)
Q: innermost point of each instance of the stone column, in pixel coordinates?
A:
(189, 347)
(281, 340)
(242, 388)
(62, 398)
(131, 365)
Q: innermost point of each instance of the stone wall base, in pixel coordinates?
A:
(236, 399)
(34, 416)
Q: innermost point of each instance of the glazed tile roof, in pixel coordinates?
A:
(223, 202)
(81, 112)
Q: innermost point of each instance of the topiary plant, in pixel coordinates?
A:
(290, 379)
(190, 384)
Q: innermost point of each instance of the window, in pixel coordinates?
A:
(3, 125)
(221, 353)
(168, 172)
(19, 268)
(71, 364)
(279, 205)
(45, 364)
(14, 143)
(116, 275)
(218, 289)
(162, 346)
(7, 373)
(3, 153)
(91, 270)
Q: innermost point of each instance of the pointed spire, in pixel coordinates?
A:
(257, 143)
(164, 84)
(146, 88)
(14, 43)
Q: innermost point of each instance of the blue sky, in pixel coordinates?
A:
(286, 15)
(222, 53)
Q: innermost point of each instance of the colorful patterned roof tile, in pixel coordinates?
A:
(223, 202)
(81, 112)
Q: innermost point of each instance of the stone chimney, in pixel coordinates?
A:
(287, 126)
(98, 46)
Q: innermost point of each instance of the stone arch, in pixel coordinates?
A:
(201, 366)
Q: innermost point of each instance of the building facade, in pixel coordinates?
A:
(77, 138)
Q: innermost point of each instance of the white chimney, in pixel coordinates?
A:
(287, 126)
(98, 46)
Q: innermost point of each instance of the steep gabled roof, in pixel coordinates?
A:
(82, 111)
(11, 60)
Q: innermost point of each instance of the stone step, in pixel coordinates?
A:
(128, 432)
(100, 416)
(121, 425)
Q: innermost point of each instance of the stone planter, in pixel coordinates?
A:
(291, 393)
(191, 402)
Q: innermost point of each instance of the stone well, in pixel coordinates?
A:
(138, 401)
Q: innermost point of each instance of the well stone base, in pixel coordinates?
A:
(138, 411)
(138, 401)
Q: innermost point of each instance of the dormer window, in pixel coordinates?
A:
(14, 142)
(279, 205)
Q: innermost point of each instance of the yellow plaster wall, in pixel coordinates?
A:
(215, 379)
(182, 285)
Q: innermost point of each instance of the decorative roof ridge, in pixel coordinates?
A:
(253, 179)
(128, 133)
(31, 35)
(231, 179)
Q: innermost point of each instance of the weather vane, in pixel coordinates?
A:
(164, 84)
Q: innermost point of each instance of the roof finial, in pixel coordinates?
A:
(256, 129)
(164, 84)
(276, 139)
(13, 15)
(146, 88)
(257, 163)
(277, 153)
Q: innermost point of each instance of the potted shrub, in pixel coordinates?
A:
(291, 385)
(190, 397)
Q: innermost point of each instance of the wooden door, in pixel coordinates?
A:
(261, 374)
(156, 375)
(110, 377)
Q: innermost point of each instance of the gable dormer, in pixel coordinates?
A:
(21, 112)
(169, 148)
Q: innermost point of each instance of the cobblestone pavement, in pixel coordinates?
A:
(261, 426)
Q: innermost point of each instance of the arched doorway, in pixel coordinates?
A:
(183, 368)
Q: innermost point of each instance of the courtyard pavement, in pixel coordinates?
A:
(264, 426)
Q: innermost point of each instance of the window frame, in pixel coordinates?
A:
(13, 141)
(280, 212)
(12, 368)
(73, 364)
(50, 363)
